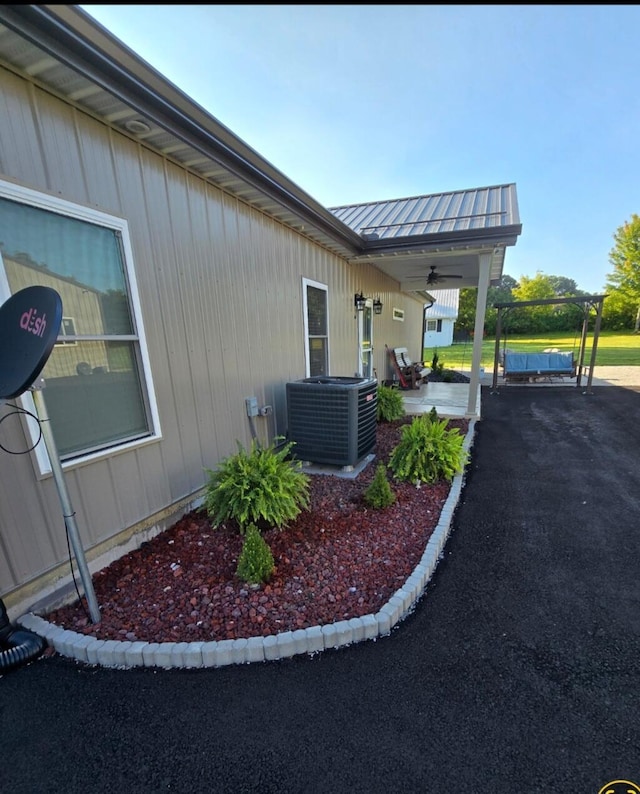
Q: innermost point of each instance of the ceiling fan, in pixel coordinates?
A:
(436, 278)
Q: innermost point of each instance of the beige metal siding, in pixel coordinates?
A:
(221, 294)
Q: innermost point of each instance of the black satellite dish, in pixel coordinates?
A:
(29, 326)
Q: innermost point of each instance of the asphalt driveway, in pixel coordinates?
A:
(518, 670)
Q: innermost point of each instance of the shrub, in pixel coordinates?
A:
(255, 563)
(433, 414)
(437, 366)
(379, 493)
(428, 451)
(259, 486)
(390, 404)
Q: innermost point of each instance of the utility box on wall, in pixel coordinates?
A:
(332, 420)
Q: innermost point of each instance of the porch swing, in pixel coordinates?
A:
(529, 367)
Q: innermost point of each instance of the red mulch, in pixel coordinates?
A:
(339, 560)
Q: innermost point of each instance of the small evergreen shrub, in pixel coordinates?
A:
(390, 405)
(437, 366)
(433, 414)
(379, 493)
(255, 563)
(259, 486)
(428, 451)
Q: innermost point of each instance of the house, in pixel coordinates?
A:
(197, 280)
(440, 317)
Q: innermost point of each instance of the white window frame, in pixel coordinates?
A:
(307, 282)
(63, 331)
(44, 201)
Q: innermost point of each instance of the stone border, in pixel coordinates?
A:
(219, 653)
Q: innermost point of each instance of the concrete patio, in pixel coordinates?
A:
(449, 399)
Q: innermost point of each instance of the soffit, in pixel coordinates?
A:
(63, 50)
(178, 130)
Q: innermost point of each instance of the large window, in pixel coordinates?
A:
(97, 380)
(316, 323)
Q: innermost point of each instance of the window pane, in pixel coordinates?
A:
(93, 396)
(82, 261)
(317, 357)
(317, 311)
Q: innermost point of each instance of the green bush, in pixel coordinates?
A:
(437, 366)
(379, 494)
(255, 564)
(258, 486)
(390, 404)
(433, 414)
(428, 451)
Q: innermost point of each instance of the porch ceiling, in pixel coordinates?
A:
(411, 270)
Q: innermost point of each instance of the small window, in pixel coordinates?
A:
(67, 328)
(431, 325)
(316, 327)
(97, 379)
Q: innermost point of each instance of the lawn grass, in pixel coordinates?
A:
(615, 349)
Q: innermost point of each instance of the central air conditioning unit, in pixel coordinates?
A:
(332, 420)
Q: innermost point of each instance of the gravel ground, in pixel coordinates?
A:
(339, 560)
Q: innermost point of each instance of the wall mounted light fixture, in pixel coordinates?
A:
(359, 301)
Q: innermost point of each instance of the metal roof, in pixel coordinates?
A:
(64, 50)
(449, 231)
(445, 304)
(481, 208)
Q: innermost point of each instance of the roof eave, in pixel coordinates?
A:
(69, 34)
(480, 238)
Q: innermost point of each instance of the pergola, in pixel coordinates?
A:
(586, 303)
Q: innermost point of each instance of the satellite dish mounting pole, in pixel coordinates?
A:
(67, 508)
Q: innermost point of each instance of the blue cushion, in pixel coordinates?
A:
(534, 363)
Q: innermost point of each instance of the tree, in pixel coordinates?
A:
(564, 287)
(469, 297)
(625, 258)
(467, 309)
(533, 319)
(532, 289)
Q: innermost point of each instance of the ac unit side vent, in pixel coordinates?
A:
(332, 420)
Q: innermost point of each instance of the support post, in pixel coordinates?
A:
(594, 347)
(481, 306)
(496, 354)
(67, 508)
(583, 342)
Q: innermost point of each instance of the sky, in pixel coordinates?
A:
(358, 103)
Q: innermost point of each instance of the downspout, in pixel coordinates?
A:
(18, 646)
(481, 306)
(425, 309)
